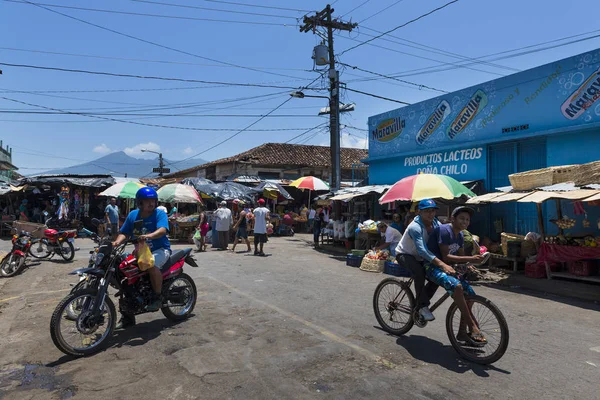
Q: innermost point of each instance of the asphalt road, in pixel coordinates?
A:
(297, 324)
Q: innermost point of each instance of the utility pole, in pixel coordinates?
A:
(324, 19)
(161, 165)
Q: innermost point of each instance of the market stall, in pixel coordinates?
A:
(181, 225)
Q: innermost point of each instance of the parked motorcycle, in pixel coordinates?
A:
(14, 262)
(84, 320)
(54, 242)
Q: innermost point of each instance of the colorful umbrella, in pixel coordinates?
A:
(178, 193)
(273, 190)
(310, 183)
(425, 186)
(124, 190)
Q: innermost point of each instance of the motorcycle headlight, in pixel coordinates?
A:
(99, 258)
(24, 241)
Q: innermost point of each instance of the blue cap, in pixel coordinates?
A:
(427, 203)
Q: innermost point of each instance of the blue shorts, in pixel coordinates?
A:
(439, 277)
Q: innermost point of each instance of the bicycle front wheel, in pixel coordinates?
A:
(393, 303)
(491, 323)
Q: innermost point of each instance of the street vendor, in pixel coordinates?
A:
(391, 238)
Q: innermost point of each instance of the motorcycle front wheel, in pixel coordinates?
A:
(67, 251)
(86, 334)
(179, 297)
(12, 264)
(39, 249)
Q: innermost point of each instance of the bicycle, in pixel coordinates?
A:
(395, 310)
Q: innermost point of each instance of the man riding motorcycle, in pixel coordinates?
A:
(154, 233)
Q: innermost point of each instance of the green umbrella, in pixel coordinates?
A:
(124, 190)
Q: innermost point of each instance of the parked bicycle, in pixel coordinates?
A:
(396, 312)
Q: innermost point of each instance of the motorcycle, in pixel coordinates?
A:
(14, 262)
(54, 242)
(83, 321)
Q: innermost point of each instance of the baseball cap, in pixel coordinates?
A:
(223, 203)
(261, 201)
(427, 203)
(460, 209)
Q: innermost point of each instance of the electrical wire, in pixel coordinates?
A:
(214, 9)
(112, 114)
(137, 14)
(257, 6)
(399, 26)
(379, 12)
(151, 42)
(305, 132)
(144, 60)
(377, 96)
(356, 8)
(420, 86)
(82, 71)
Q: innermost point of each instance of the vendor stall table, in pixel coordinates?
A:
(367, 240)
(549, 253)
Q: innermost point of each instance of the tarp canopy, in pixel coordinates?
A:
(272, 186)
(97, 181)
(484, 198)
(229, 191)
(509, 197)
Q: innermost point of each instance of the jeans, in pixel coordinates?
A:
(423, 292)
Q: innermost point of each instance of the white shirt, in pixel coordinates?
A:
(223, 218)
(260, 219)
(392, 235)
(312, 213)
(162, 208)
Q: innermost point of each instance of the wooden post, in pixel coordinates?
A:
(559, 214)
(541, 220)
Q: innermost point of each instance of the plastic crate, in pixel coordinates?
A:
(353, 261)
(356, 252)
(392, 268)
(536, 271)
(583, 268)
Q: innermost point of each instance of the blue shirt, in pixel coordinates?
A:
(158, 219)
(446, 236)
(414, 241)
(113, 213)
(397, 226)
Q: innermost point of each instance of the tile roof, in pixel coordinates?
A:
(275, 154)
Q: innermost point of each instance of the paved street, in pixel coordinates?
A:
(295, 325)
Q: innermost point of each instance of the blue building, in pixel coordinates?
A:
(545, 116)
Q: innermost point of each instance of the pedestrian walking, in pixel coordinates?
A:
(241, 231)
(201, 231)
(112, 217)
(311, 218)
(319, 218)
(262, 217)
(224, 221)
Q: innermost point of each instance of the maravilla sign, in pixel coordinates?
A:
(562, 94)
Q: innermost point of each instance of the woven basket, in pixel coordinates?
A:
(587, 174)
(543, 177)
(506, 237)
(371, 265)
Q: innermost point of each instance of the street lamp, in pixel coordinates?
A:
(161, 165)
(301, 95)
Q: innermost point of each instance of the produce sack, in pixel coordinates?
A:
(145, 259)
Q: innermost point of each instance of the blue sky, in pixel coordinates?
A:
(273, 53)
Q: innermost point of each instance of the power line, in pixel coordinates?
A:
(256, 6)
(420, 86)
(356, 8)
(144, 60)
(213, 9)
(399, 26)
(379, 12)
(82, 71)
(305, 132)
(151, 42)
(137, 14)
(377, 96)
(94, 114)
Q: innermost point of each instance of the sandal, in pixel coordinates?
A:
(476, 339)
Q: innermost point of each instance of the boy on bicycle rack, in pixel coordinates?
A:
(447, 243)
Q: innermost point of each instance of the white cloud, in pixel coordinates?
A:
(136, 151)
(102, 149)
(188, 150)
(353, 141)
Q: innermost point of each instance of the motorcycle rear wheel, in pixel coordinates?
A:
(183, 288)
(95, 342)
(12, 265)
(67, 251)
(39, 249)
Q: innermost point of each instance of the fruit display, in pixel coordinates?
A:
(588, 241)
(378, 255)
(564, 223)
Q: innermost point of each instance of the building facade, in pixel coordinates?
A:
(545, 116)
(7, 169)
(279, 161)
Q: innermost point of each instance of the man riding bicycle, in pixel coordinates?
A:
(412, 252)
(447, 243)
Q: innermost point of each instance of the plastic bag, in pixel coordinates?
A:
(197, 234)
(144, 257)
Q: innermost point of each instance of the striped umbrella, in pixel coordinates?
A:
(124, 190)
(178, 193)
(425, 186)
(310, 183)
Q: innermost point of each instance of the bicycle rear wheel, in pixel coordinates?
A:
(393, 303)
(491, 323)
